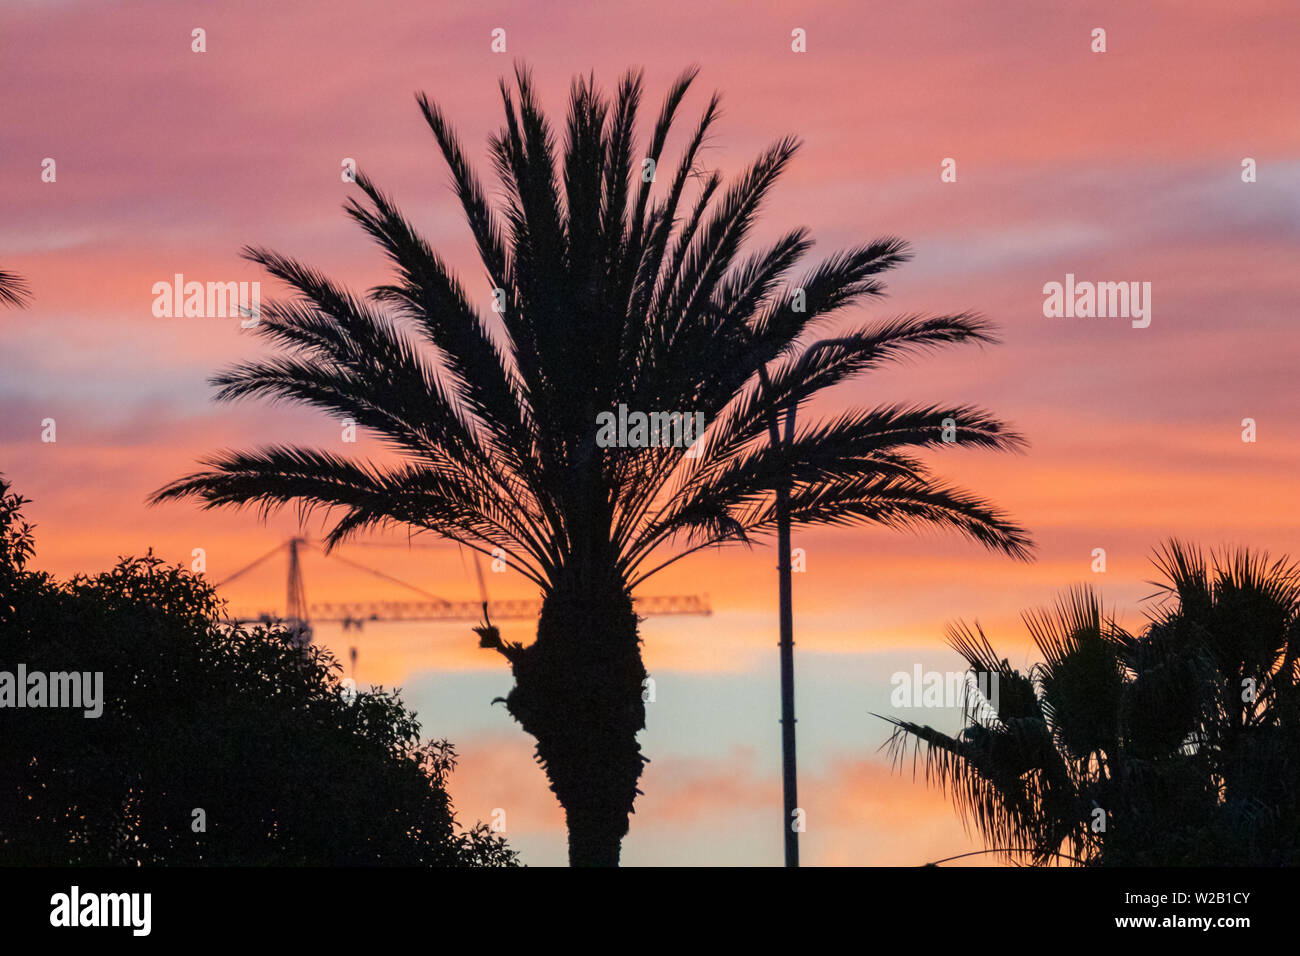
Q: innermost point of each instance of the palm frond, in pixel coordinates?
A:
(610, 287)
(14, 290)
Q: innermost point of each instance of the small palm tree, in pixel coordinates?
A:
(13, 290)
(1176, 746)
(610, 285)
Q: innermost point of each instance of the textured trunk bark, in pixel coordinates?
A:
(578, 692)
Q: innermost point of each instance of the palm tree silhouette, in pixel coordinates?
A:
(13, 290)
(606, 295)
(1179, 745)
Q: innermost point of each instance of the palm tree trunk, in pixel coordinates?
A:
(578, 692)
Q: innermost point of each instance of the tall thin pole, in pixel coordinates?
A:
(789, 775)
(790, 786)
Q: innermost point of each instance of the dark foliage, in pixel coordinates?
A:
(13, 289)
(288, 766)
(613, 277)
(1175, 746)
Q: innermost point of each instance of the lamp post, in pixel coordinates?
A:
(782, 445)
(789, 775)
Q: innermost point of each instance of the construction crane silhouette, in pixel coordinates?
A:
(300, 616)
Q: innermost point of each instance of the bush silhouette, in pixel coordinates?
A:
(215, 745)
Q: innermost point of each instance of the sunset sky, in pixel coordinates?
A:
(1117, 166)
